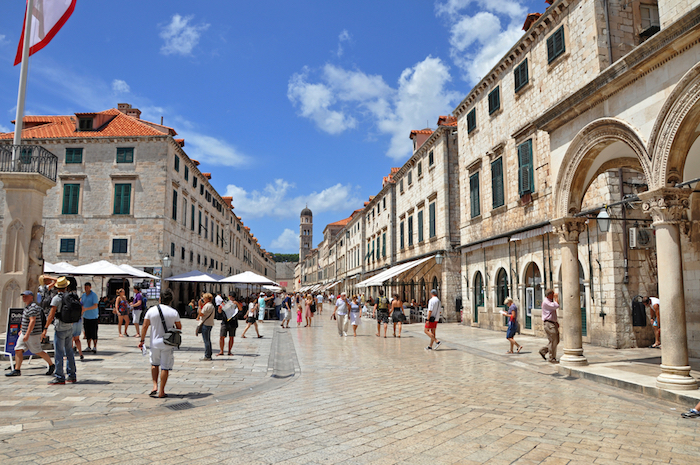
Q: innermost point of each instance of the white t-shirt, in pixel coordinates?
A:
(319, 298)
(278, 300)
(341, 307)
(434, 307)
(655, 301)
(157, 331)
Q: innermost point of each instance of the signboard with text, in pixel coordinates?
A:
(14, 326)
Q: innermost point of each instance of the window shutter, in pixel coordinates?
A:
(559, 41)
(550, 49)
(525, 172)
(474, 195)
(497, 182)
(431, 211)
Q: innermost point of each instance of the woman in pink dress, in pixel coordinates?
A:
(307, 310)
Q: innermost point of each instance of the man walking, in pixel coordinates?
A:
(341, 314)
(30, 335)
(381, 309)
(162, 357)
(653, 304)
(432, 319)
(229, 322)
(550, 304)
(63, 336)
(91, 316)
(287, 310)
(136, 309)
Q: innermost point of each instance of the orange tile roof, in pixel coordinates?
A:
(530, 20)
(447, 121)
(395, 170)
(196, 163)
(420, 131)
(341, 222)
(229, 201)
(207, 175)
(59, 127)
(181, 142)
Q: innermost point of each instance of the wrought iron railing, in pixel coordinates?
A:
(28, 159)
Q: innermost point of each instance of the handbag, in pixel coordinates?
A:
(172, 337)
(198, 328)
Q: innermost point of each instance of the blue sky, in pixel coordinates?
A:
(286, 103)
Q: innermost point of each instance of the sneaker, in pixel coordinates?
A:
(345, 334)
(51, 369)
(72, 380)
(553, 360)
(428, 348)
(437, 344)
(692, 413)
(56, 381)
(205, 359)
(14, 373)
(543, 355)
(82, 357)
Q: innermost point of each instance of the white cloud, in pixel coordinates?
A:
(120, 87)
(2, 38)
(342, 96)
(343, 37)
(274, 200)
(479, 38)
(212, 150)
(180, 36)
(287, 241)
(5, 128)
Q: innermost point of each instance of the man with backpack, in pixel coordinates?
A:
(381, 309)
(65, 310)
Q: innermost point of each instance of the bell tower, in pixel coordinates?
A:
(306, 232)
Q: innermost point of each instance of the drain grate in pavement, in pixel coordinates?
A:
(180, 406)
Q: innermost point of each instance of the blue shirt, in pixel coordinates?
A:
(88, 300)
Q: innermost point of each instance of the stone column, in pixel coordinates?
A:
(568, 230)
(667, 207)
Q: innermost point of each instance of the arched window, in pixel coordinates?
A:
(533, 292)
(436, 284)
(502, 290)
(478, 295)
(423, 293)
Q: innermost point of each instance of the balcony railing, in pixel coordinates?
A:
(29, 159)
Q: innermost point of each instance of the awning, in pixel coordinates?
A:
(483, 245)
(248, 277)
(195, 276)
(386, 275)
(102, 268)
(532, 233)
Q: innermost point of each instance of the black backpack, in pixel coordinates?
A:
(71, 309)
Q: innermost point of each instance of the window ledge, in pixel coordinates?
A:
(553, 64)
(433, 239)
(124, 175)
(72, 176)
(496, 113)
(523, 90)
(499, 210)
(474, 132)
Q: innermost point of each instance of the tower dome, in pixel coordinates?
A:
(306, 212)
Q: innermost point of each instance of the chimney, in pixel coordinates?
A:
(530, 20)
(128, 111)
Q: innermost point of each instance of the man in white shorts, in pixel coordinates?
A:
(162, 358)
(30, 335)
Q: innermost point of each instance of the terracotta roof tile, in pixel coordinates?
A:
(530, 20)
(447, 121)
(341, 222)
(207, 175)
(420, 131)
(196, 163)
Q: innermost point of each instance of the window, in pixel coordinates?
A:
(420, 169)
(199, 259)
(495, 100)
(122, 199)
(206, 227)
(177, 163)
(410, 177)
(410, 231)
(194, 181)
(125, 155)
(174, 208)
(497, 183)
(649, 20)
(172, 249)
(67, 246)
(420, 226)
(401, 235)
(187, 173)
(71, 196)
(555, 45)
(200, 224)
(74, 156)
(201, 189)
(431, 219)
(85, 124)
(192, 218)
(184, 213)
(383, 244)
(474, 195)
(525, 171)
(182, 254)
(471, 121)
(431, 158)
(401, 185)
(520, 75)
(119, 245)
(191, 256)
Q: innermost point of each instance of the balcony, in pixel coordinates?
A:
(29, 159)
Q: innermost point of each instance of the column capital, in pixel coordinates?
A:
(666, 205)
(568, 228)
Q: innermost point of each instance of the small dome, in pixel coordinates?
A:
(306, 212)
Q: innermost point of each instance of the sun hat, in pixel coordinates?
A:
(61, 283)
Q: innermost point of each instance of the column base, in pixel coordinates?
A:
(676, 378)
(573, 358)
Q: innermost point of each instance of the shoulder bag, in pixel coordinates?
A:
(172, 336)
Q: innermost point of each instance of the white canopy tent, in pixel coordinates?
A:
(101, 268)
(58, 268)
(195, 276)
(248, 277)
(136, 272)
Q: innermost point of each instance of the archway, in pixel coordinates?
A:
(478, 295)
(533, 292)
(501, 291)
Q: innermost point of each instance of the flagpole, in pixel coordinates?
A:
(26, 39)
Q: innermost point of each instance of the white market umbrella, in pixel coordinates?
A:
(136, 272)
(101, 268)
(195, 276)
(272, 288)
(58, 268)
(248, 277)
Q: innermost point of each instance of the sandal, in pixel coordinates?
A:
(520, 348)
(153, 393)
(509, 351)
(259, 337)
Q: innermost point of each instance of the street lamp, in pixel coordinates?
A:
(603, 220)
(439, 258)
(167, 261)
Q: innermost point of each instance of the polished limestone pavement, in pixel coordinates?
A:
(306, 395)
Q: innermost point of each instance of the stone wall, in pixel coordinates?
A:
(671, 10)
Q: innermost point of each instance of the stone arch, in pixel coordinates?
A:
(11, 294)
(676, 129)
(587, 157)
(13, 260)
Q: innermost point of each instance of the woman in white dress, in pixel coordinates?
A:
(355, 314)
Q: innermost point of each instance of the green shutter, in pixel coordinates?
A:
(125, 155)
(71, 196)
(175, 205)
(556, 45)
(432, 219)
(474, 195)
(122, 199)
(497, 183)
(521, 75)
(401, 234)
(525, 170)
(471, 121)
(420, 226)
(494, 100)
(384, 245)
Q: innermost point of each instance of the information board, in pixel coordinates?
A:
(14, 326)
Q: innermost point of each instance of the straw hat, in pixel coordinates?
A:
(61, 283)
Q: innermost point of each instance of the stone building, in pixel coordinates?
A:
(128, 193)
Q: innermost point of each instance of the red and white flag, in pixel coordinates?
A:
(48, 16)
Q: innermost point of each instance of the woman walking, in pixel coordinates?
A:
(307, 309)
(512, 314)
(355, 314)
(397, 316)
(122, 308)
(252, 319)
(299, 311)
(206, 316)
